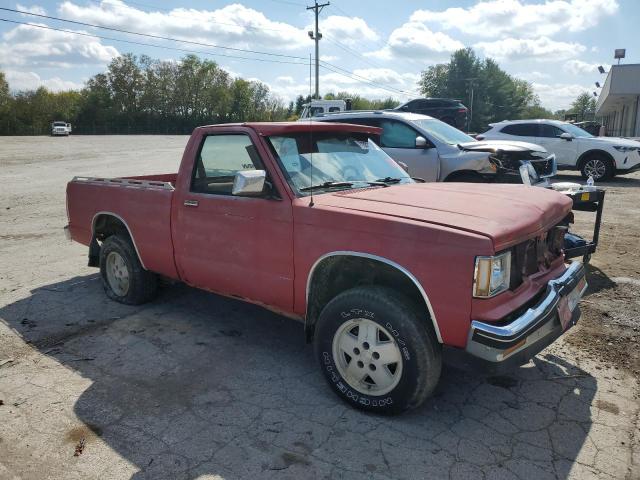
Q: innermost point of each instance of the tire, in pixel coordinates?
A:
(354, 326)
(123, 278)
(600, 167)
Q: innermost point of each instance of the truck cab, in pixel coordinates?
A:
(319, 107)
(60, 128)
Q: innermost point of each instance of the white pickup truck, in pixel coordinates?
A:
(60, 128)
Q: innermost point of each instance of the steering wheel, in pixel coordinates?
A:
(350, 173)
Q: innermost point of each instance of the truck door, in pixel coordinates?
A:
(239, 246)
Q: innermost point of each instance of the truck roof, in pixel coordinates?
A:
(274, 128)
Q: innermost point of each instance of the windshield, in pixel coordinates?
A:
(576, 131)
(350, 158)
(59, 124)
(443, 132)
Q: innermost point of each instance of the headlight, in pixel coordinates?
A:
(624, 148)
(492, 275)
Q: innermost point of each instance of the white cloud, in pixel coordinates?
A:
(539, 48)
(29, 46)
(234, 24)
(495, 18)
(557, 96)
(285, 80)
(578, 67)
(533, 75)
(37, 9)
(389, 82)
(19, 80)
(328, 58)
(415, 40)
(347, 30)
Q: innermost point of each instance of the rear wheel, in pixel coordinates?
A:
(377, 351)
(123, 277)
(598, 167)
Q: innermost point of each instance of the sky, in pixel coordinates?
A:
(374, 48)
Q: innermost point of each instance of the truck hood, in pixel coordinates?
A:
(507, 214)
(505, 145)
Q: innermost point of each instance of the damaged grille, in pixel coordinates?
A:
(545, 167)
(537, 253)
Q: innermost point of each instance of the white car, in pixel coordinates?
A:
(60, 128)
(575, 148)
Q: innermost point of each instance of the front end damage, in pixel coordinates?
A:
(516, 162)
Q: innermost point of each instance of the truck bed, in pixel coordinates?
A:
(142, 203)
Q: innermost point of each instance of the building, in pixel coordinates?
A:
(618, 106)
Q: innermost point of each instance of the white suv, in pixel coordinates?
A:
(599, 157)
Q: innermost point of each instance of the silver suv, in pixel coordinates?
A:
(438, 152)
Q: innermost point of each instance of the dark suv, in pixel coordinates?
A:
(448, 110)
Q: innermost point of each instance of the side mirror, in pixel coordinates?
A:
(566, 136)
(421, 142)
(249, 183)
(404, 166)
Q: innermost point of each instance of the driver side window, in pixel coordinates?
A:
(397, 135)
(550, 131)
(220, 158)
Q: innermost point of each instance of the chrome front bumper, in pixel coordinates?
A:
(521, 338)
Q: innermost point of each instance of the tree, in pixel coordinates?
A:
(144, 95)
(584, 106)
(496, 94)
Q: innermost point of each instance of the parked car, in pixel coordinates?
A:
(438, 152)
(450, 111)
(384, 272)
(574, 148)
(60, 128)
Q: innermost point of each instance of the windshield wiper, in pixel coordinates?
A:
(326, 185)
(386, 180)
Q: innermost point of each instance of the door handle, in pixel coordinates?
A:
(191, 203)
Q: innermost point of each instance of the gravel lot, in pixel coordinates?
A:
(199, 386)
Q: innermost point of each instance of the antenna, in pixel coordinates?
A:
(310, 136)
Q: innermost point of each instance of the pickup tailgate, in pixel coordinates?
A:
(142, 204)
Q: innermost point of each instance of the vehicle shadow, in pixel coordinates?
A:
(597, 280)
(196, 384)
(619, 181)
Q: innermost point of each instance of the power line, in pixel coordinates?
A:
(149, 44)
(362, 79)
(157, 37)
(397, 90)
(327, 65)
(378, 43)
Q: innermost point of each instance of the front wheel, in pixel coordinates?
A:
(597, 167)
(377, 351)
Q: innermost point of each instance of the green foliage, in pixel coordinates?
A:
(360, 103)
(584, 106)
(496, 94)
(143, 95)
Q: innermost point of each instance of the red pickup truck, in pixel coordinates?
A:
(315, 221)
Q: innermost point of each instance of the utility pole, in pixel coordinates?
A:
(470, 85)
(317, 8)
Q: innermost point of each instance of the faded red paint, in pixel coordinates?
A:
(263, 250)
